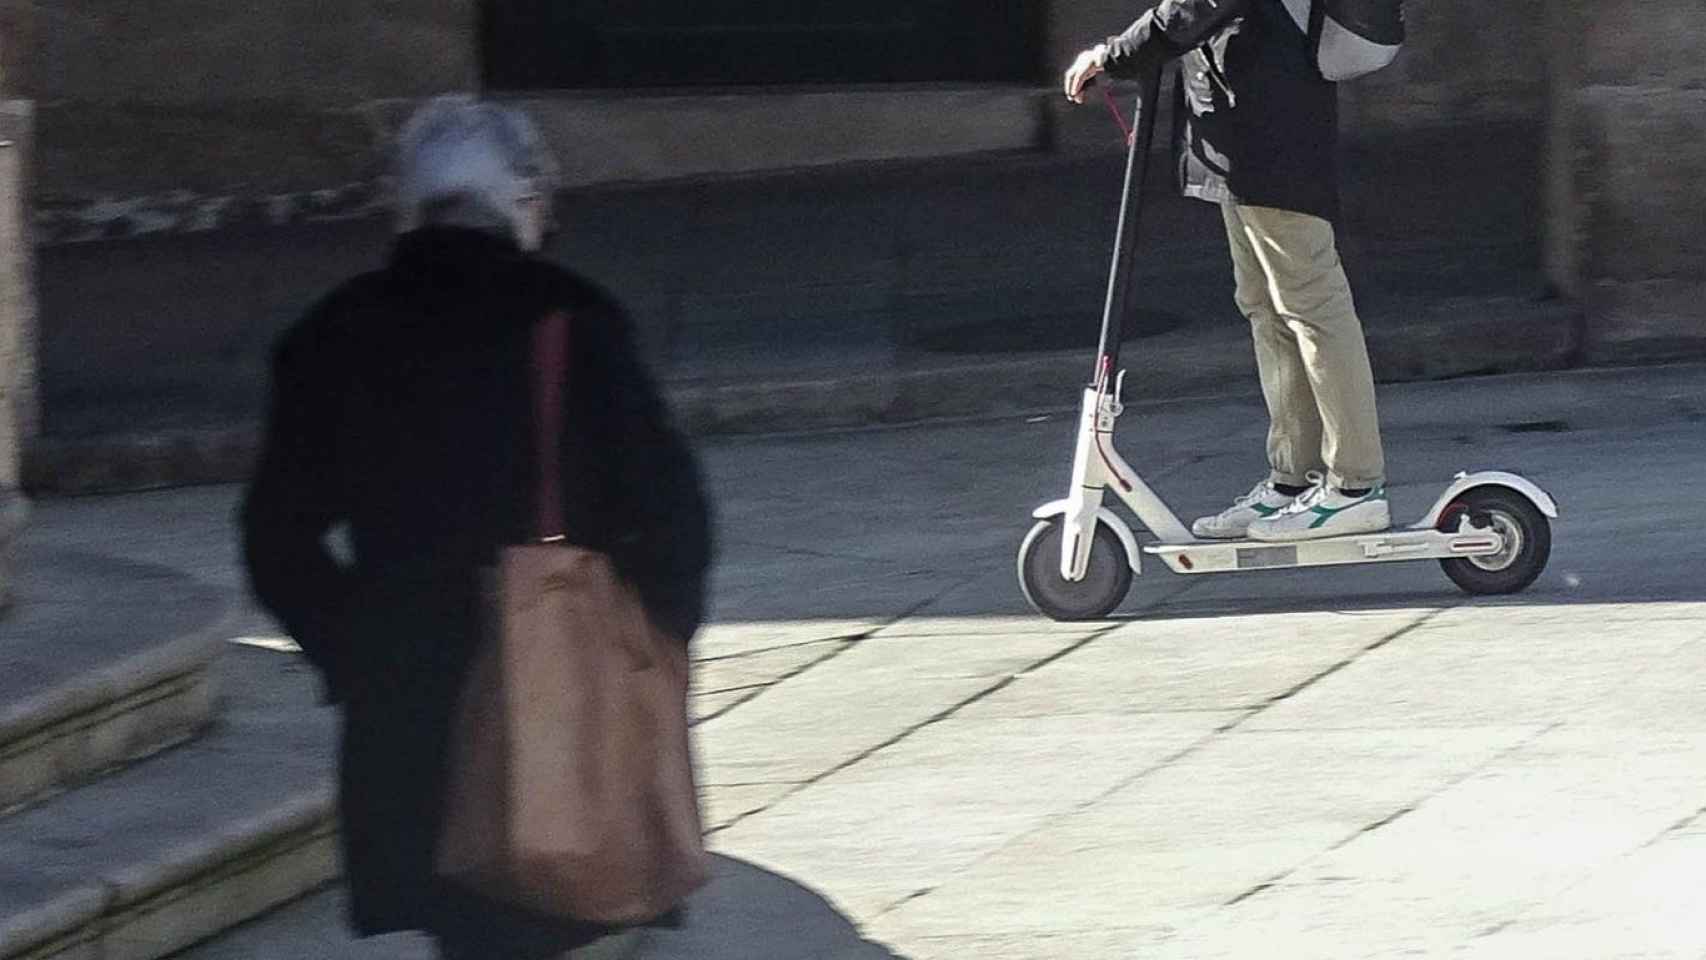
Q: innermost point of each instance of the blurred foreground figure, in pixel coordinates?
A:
(1261, 141)
(402, 419)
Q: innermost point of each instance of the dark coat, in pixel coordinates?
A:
(401, 413)
(1263, 124)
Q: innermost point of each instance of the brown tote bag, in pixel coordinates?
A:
(571, 790)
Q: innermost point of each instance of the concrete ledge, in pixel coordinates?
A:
(117, 717)
(151, 691)
(1646, 321)
(14, 511)
(155, 908)
(193, 841)
(144, 460)
(222, 880)
(1429, 340)
(604, 139)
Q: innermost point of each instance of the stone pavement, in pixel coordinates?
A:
(900, 760)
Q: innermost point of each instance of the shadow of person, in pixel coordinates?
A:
(749, 913)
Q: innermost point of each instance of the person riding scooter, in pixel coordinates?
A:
(1261, 142)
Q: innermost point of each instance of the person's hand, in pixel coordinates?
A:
(1086, 68)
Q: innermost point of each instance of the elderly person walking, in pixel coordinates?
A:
(401, 420)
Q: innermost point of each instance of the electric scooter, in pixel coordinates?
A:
(1490, 530)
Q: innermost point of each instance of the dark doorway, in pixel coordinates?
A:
(567, 44)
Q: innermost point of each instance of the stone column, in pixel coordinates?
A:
(17, 318)
(1624, 166)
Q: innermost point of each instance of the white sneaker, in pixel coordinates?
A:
(1230, 524)
(1324, 511)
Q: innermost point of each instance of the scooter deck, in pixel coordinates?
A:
(1387, 546)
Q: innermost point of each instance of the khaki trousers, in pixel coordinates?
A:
(1309, 347)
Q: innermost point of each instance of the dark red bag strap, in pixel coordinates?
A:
(550, 379)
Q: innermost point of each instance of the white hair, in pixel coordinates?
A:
(466, 162)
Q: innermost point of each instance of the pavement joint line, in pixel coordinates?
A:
(1177, 756)
(738, 688)
(1398, 814)
(759, 689)
(1258, 889)
(1494, 930)
(745, 654)
(1005, 682)
(1676, 827)
(1405, 630)
(1071, 811)
(842, 647)
(930, 721)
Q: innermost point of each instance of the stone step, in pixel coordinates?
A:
(194, 841)
(102, 662)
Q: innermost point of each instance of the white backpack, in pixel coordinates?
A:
(1350, 38)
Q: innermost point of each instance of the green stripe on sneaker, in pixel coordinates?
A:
(1323, 514)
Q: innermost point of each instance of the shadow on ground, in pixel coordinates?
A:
(745, 913)
(750, 913)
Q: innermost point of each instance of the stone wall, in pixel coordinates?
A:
(1624, 168)
(17, 316)
(216, 99)
(1444, 143)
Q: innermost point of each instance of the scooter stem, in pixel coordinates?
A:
(1117, 306)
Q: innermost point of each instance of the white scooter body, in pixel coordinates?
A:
(1097, 467)
(1496, 541)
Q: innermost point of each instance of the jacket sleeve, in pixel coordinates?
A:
(1169, 30)
(291, 503)
(663, 539)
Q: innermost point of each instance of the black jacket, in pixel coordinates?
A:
(401, 413)
(1263, 127)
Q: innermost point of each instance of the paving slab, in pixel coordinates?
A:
(1202, 830)
(912, 816)
(732, 640)
(1222, 664)
(875, 691)
(1647, 904)
(760, 668)
(1482, 668)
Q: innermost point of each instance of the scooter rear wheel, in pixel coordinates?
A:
(1104, 586)
(1526, 532)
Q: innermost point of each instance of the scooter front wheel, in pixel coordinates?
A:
(1104, 585)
